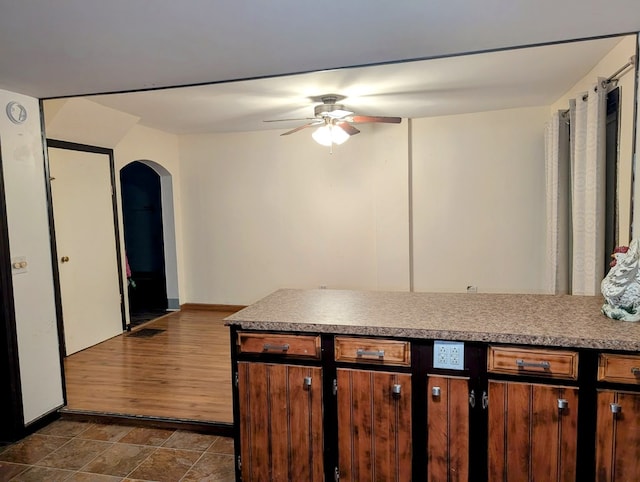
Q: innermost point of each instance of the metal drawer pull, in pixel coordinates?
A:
(269, 346)
(523, 364)
(485, 400)
(562, 403)
(616, 408)
(472, 399)
(435, 391)
(396, 389)
(307, 381)
(635, 371)
(363, 352)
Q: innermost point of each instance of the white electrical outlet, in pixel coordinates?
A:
(448, 355)
(454, 355)
(443, 355)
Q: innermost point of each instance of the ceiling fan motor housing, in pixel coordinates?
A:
(329, 108)
(323, 110)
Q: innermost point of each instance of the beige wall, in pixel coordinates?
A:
(37, 331)
(478, 208)
(261, 212)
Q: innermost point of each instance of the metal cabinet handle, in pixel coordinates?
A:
(270, 347)
(435, 391)
(363, 352)
(307, 382)
(396, 389)
(563, 403)
(635, 371)
(485, 400)
(616, 408)
(523, 364)
(64, 259)
(472, 399)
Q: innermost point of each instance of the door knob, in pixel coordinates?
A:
(64, 259)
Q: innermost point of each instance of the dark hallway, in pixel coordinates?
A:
(144, 245)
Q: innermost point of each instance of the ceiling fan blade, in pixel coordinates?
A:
(348, 128)
(360, 119)
(317, 122)
(289, 120)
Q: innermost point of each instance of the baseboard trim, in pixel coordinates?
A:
(210, 307)
(35, 425)
(222, 429)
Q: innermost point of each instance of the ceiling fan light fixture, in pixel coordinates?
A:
(329, 134)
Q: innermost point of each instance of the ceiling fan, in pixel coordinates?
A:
(334, 121)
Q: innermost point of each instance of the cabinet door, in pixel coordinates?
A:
(281, 432)
(374, 425)
(530, 437)
(448, 429)
(618, 437)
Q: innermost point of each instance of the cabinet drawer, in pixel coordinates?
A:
(533, 361)
(372, 350)
(619, 368)
(306, 346)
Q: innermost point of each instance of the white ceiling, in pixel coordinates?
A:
(73, 47)
(76, 47)
(489, 81)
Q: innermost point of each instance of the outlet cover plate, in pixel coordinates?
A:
(448, 355)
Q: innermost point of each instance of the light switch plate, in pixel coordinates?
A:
(448, 355)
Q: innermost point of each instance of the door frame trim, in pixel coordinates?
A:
(59, 144)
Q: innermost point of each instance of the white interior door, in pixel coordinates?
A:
(86, 245)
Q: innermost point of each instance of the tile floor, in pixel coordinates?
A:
(67, 450)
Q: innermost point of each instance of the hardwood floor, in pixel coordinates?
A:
(183, 372)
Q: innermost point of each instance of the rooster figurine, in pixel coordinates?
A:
(621, 286)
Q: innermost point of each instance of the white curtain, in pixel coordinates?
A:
(578, 230)
(558, 204)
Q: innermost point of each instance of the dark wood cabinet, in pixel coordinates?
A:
(322, 407)
(374, 425)
(280, 423)
(532, 432)
(447, 429)
(618, 436)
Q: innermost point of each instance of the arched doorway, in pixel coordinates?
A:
(149, 235)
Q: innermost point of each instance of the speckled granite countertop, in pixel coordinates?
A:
(568, 321)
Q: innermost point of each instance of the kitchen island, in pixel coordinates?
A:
(399, 386)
